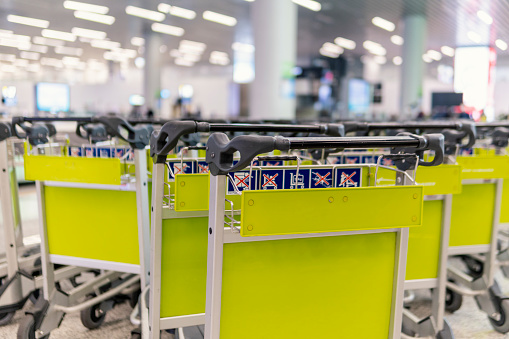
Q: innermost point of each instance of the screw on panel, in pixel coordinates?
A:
(414, 218)
(415, 195)
(182, 183)
(345, 198)
(182, 204)
(250, 202)
(250, 227)
(212, 155)
(331, 199)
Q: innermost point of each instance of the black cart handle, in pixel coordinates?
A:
(220, 149)
(5, 131)
(500, 137)
(162, 142)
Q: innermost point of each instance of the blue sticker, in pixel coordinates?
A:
(338, 160)
(130, 154)
(202, 168)
(292, 181)
(271, 179)
(185, 167)
(352, 160)
(322, 178)
(104, 152)
(467, 151)
(75, 151)
(242, 181)
(119, 153)
(348, 177)
(387, 162)
(90, 152)
(369, 159)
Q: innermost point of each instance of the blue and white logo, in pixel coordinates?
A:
(348, 177)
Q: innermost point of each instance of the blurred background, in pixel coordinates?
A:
(257, 59)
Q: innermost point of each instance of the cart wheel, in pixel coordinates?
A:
(92, 317)
(26, 329)
(453, 301)
(475, 267)
(6, 318)
(446, 332)
(502, 324)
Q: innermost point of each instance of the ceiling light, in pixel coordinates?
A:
(129, 53)
(474, 37)
(136, 41)
(20, 62)
(333, 48)
(485, 17)
(15, 43)
(309, 4)
(67, 60)
(191, 57)
(23, 20)
(105, 44)
(219, 58)
(219, 18)
(5, 31)
(81, 6)
(69, 50)
(219, 55)
(397, 60)
(44, 41)
(435, 55)
(7, 57)
(29, 55)
(384, 24)
(397, 40)
(175, 53)
(52, 62)
(88, 33)
(183, 62)
(115, 56)
(164, 8)
(34, 68)
(167, 29)
(501, 44)
(427, 58)
(345, 43)
(145, 13)
(38, 49)
(381, 60)
(374, 48)
(182, 12)
(242, 47)
(100, 18)
(52, 34)
(16, 37)
(139, 62)
(192, 46)
(328, 53)
(446, 50)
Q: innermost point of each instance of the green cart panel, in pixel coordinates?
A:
(92, 224)
(330, 210)
(504, 211)
(443, 179)
(309, 287)
(73, 169)
(191, 192)
(424, 243)
(183, 266)
(484, 167)
(472, 215)
(15, 200)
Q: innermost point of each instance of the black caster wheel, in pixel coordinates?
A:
(501, 323)
(474, 266)
(26, 329)
(5, 318)
(92, 317)
(453, 300)
(446, 332)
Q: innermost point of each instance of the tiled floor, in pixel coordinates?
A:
(467, 323)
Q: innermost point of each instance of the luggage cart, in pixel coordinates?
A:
(476, 215)
(92, 215)
(281, 267)
(20, 269)
(179, 224)
(427, 247)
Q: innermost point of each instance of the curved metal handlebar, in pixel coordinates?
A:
(220, 149)
(500, 137)
(164, 141)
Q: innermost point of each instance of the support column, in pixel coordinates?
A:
(412, 72)
(152, 71)
(275, 39)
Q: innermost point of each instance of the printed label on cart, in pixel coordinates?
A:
(387, 162)
(75, 151)
(369, 159)
(203, 167)
(130, 154)
(322, 178)
(336, 160)
(104, 152)
(272, 179)
(351, 160)
(242, 181)
(272, 163)
(119, 152)
(185, 167)
(348, 177)
(90, 152)
(466, 151)
(294, 181)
